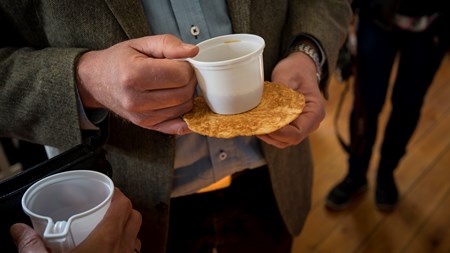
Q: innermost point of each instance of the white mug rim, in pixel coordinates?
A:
(241, 36)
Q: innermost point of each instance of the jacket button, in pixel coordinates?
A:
(223, 156)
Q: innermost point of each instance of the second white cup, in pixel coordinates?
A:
(64, 208)
(230, 72)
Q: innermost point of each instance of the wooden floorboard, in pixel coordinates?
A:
(421, 221)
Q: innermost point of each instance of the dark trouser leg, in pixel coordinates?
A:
(376, 53)
(420, 57)
(239, 219)
(375, 57)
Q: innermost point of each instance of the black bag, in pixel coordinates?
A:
(81, 157)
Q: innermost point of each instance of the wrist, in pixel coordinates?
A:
(309, 49)
(83, 71)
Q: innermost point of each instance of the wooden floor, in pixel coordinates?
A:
(421, 221)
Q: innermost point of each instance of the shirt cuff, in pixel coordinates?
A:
(89, 118)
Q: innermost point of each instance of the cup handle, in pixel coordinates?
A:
(58, 237)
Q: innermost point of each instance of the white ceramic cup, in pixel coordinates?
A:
(230, 73)
(64, 208)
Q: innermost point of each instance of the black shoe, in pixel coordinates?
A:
(386, 194)
(344, 192)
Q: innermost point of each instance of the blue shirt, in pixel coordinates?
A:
(199, 160)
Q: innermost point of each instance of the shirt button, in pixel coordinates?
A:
(223, 156)
(195, 30)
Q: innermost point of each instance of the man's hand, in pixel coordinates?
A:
(298, 72)
(139, 81)
(27, 240)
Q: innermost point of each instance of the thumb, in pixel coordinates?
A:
(26, 239)
(164, 46)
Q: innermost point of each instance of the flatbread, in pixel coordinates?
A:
(279, 106)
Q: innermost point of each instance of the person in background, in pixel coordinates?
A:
(417, 32)
(76, 69)
(116, 233)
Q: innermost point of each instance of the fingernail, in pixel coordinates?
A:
(189, 46)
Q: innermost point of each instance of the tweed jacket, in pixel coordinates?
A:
(42, 41)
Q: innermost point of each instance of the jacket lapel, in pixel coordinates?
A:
(239, 11)
(131, 17)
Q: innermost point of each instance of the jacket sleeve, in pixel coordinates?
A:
(326, 20)
(38, 97)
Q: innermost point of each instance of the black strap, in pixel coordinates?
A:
(337, 115)
(346, 67)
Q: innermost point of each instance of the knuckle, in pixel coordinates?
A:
(168, 39)
(141, 122)
(129, 103)
(30, 242)
(138, 216)
(125, 203)
(127, 78)
(187, 76)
